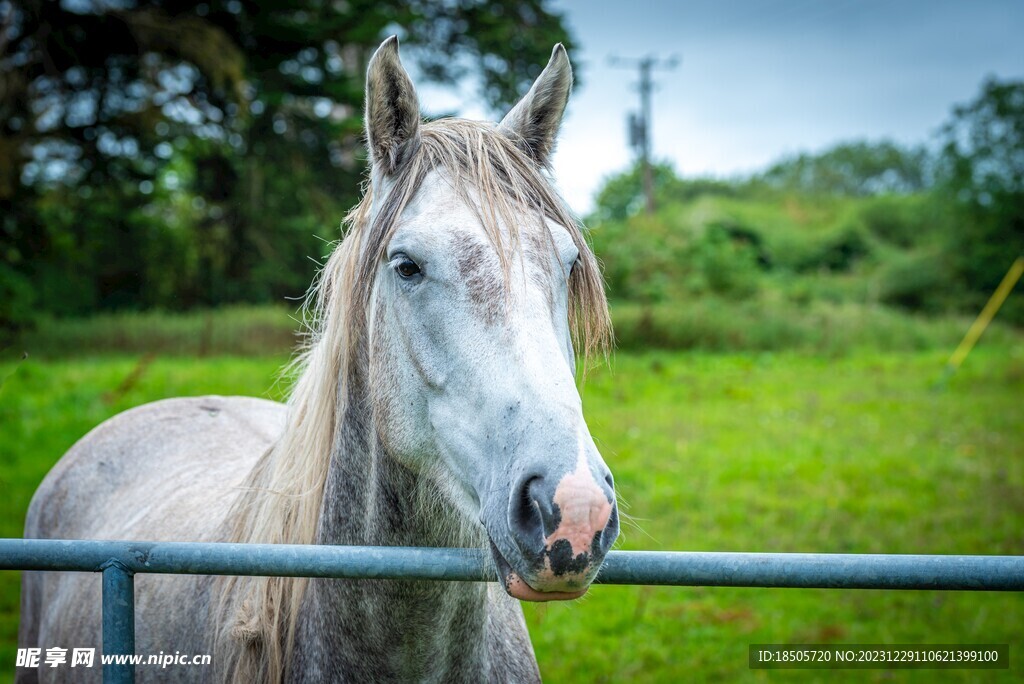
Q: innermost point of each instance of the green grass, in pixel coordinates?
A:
(789, 453)
(232, 330)
(738, 452)
(776, 324)
(768, 321)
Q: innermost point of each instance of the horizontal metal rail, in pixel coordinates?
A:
(711, 569)
(119, 561)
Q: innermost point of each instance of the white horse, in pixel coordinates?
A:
(436, 406)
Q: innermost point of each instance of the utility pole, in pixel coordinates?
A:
(640, 122)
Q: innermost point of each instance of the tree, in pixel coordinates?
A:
(170, 152)
(622, 195)
(855, 169)
(982, 175)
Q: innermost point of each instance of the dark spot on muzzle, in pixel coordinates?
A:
(564, 562)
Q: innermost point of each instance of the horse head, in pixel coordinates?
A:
(479, 276)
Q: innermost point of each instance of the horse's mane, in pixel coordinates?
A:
(281, 497)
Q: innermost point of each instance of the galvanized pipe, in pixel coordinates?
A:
(816, 570)
(791, 570)
(120, 560)
(118, 621)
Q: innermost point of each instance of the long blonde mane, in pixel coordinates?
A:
(282, 496)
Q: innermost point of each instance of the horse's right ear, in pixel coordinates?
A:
(392, 109)
(533, 123)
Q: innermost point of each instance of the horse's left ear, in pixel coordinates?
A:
(533, 123)
(392, 109)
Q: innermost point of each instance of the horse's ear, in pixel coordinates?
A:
(533, 123)
(392, 109)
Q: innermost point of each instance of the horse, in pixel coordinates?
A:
(435, 404)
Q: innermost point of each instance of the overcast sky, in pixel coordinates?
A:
(760, 79)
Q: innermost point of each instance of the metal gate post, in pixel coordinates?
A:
(118, 621)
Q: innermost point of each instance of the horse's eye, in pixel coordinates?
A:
(407, 268)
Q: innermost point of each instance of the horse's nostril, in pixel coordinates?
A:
(609, 481)
(527, 516)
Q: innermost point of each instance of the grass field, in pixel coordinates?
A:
(767, 322)
(728, 452)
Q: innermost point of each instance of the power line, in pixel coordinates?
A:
(640, 123)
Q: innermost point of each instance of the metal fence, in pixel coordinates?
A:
(120, 561)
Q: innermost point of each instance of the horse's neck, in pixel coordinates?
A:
(386, 629)
(371, 499)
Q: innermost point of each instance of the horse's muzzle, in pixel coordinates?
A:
(562, 532)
